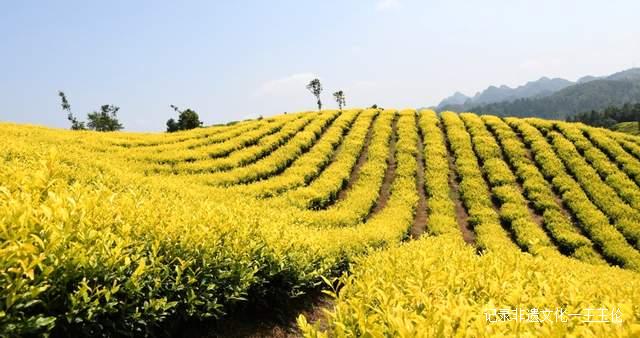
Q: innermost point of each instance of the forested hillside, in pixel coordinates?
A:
(583, 96)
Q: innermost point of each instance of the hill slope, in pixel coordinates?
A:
(561, 101)
(627, 127)
(542, 87)
(133, 233)
(593, 95)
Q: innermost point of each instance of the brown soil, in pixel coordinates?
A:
(420, 220)
(265, 324)
(454, 187)
(390, 173)
(338, 148)
(461, 213)
(556, 197)
(535, 216)
(355, 171)
(528, 154)
(283, 326)
(563, 210)
(612, 157)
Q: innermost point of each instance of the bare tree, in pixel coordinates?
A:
(315, 87)
(75, 124)
(340, 99)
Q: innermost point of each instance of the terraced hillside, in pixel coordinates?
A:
(627, 127)
(427, 221)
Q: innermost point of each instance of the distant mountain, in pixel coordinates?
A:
(587, 78)
(558, 99)
(543, 86)
(632, 74)
(456, 99)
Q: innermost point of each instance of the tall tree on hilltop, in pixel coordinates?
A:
(187, 119)
(104, 120)
(340, 98)
(315, 87)
(172, 126)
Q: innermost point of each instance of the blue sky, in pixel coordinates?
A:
(231, 60)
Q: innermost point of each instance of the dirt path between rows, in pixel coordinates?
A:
(265, 323)
(556, 194)
(612, 157)
(556, 197)
(420, 220)
(340, 146)
(454, 192)
(355, 171)
(534, 215)
(284, 325)
(390, 172)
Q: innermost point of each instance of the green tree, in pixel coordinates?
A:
(315, 87)
(105, 120)
(187, 119)
(172, 126)
(609, 116)
(340, 98)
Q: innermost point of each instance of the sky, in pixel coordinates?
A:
(232, 60)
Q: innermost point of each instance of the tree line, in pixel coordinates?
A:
(609, 116)
(106, 119)
(594, 95)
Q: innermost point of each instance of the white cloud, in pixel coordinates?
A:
(285, 86)
(383, 5)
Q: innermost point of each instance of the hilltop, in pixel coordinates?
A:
(407, 213)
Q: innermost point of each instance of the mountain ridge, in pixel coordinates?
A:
(553, 98)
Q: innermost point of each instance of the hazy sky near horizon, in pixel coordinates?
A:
(231, 60)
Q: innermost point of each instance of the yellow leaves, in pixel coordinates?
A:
(381, 294)
(39, 242)
(133, 233)
(46, 211)
(5, 193)
(140, 269)
(29, 273)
